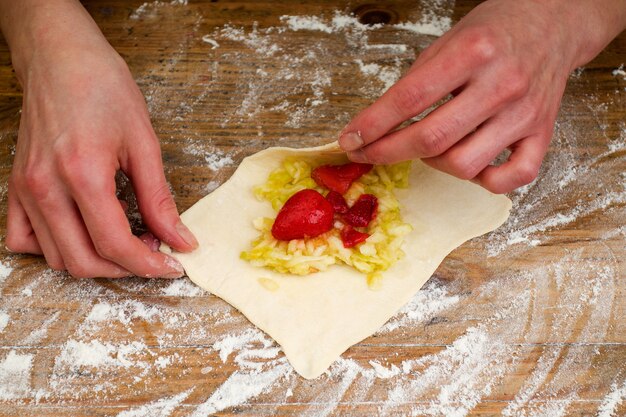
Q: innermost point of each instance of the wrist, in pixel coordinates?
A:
(594, 24)
(44, 32)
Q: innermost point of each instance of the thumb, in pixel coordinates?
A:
(156, 204)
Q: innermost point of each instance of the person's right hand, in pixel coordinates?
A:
(505, 66)
(83, 119)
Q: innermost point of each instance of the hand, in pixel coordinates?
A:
(83, 119)
(506, 65)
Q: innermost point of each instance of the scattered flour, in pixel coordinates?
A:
(619, 72)
(570, 299)
(429, 25)
(5, 271)
(215, 159)
(95, 354)
(218, 161)
(612, 400)
(383, 372)
(4, 320)
(36, 336)
(15, 381)
(163, 407)
(124, 312)
(424, 306)
(210, 41)
(183, 288)
(152, 9)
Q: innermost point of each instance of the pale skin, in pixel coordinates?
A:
(84, 118)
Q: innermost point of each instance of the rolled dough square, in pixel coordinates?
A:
(317, 317)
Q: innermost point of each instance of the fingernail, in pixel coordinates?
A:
(186, 234)
(350, 141)
(176, 269)
(357, 156)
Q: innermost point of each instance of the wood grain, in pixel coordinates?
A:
(549, 316)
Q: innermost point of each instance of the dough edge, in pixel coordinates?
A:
(311, 351)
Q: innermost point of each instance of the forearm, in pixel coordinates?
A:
(599, 22)
(45, 28)
(590, 25)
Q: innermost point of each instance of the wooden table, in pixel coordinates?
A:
(528, 320)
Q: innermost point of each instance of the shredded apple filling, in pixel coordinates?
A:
(369, 242)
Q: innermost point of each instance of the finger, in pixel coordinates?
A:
(410, 96)
(156, 204)
(521, 168)
(44, 237)
(73, 241)
(107, 224)
(468, 157)
(437, 132)
(21, 237)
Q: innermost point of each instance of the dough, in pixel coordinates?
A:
(317, 317)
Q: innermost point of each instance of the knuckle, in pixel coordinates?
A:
(162, 199)
(56, 265)
(109, 249)
(514, 82)
(407, 98)
(78, 270)
(432, 141)
(532, 114)
(482, 44)
(74, 171)
(375, 157)
(526, 173)
(36, 181)
(16, 243)
(463, 167)
(495, 188)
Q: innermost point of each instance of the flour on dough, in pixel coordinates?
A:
(316, 318)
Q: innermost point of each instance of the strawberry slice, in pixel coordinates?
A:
(339, 177)
(351, 237)
(306, 214)
(362, 212)
(337, 201)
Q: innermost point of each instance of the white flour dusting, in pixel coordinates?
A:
(183, 288)
(5, 271)
(455, 345)
(153, 9)
(39, 334)
(4, 320)
(531, 221)
(15, 381)
(210, 41)
(619, 72)
(163, 407)
(95, 354)
(423, 306)
(612, 400)
(123, 312)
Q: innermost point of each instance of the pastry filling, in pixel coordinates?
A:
(331, 214)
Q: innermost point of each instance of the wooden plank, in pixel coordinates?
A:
(533, 327)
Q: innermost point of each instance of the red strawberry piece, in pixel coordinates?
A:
(362, 212)
(351, 237)
(306, 214)
(339, 177)
(337, 201)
